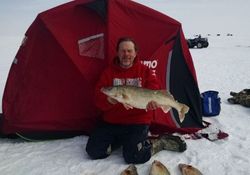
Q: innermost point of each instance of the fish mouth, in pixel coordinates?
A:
(105, 90)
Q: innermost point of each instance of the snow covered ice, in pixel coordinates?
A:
(223, 66)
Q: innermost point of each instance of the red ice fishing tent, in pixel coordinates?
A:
(49, 90)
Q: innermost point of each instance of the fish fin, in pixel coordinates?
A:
(182, 112)
(165, 108)
(127, 106)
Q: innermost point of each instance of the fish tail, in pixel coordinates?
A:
(183, 111)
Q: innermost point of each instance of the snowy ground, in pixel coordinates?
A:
(223, 66)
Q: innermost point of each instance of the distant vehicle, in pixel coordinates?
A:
(199, 42)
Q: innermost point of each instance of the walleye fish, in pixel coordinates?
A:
(131, 170)
(139, 98)
(158, 168)
(189, 170)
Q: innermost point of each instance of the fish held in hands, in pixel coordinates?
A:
(138, 97)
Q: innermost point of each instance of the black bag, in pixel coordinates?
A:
(210, 103)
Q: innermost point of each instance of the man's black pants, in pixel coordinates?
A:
(133, 139)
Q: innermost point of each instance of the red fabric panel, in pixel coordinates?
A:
(45, 89)
(149, 28)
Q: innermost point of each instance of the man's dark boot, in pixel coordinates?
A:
(168, 142)
(232, 100)
(233, 93)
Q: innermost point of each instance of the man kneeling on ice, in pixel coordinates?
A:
(123, 125)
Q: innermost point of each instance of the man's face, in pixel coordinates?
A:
(126, 54)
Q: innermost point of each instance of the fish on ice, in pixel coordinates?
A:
(189, 170)
(130, 170)
(158, 168)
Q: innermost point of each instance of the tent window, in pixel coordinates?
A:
(92, 46)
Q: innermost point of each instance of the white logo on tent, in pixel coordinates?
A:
(152, 64)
